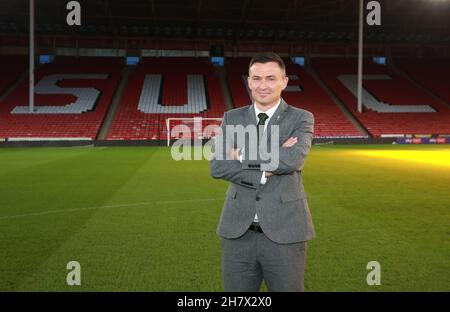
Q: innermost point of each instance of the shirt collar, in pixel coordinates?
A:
(269, 112)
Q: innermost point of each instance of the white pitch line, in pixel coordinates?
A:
(42, 213)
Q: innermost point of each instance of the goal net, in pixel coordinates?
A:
(191, 128)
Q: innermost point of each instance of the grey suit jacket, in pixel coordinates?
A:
(281, 202)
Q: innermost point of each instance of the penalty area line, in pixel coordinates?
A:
(48, 212)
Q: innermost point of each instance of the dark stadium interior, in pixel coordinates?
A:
(405, 21)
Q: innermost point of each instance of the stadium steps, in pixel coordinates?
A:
(391, 65)
(11, 88)
(336, 100)
(127, 70)
(221, 74)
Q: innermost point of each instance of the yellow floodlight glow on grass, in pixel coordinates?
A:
(439, 158)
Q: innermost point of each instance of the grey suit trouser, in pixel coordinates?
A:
(252, 258)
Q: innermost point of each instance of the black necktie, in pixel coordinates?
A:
(262, 120)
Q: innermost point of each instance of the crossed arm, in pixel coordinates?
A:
(292, 155)
(288, 143)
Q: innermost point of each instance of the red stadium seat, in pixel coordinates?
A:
(303, 92)
(11, 67)
(434, 74)
(395, 91)
(76, 125)
(130, 123)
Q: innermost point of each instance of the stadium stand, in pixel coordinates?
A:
(434, 74)
(72, 96)
(11, 69)
(395, 105)
(237, 70)
(162, 88)
(303, 92)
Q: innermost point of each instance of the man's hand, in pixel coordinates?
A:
(235, 154)
(290, 142)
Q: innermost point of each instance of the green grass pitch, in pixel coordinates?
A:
(136, 220)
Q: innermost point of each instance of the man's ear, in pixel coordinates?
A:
(285, 81)
(248, 82)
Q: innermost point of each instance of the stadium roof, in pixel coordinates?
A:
(406, 21)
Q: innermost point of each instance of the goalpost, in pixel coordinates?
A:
(192, 128)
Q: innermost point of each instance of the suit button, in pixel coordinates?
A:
(258, 198)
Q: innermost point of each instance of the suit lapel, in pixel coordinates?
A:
(251, 116)
(276, 119)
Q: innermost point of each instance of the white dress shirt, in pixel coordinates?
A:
(269, 113)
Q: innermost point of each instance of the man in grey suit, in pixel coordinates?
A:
(265, 221)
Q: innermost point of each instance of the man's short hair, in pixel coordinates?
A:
(266, 58)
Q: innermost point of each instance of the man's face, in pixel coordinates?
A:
(266, 81)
